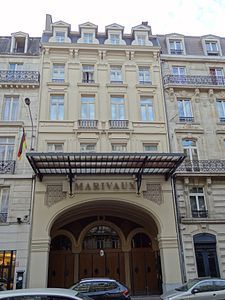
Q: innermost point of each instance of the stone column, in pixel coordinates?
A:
(127, 269)
(170, 262)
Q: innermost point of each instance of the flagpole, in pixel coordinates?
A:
(27, 101)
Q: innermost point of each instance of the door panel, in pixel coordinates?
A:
(138, 271)
(85, 269)
(98, 265)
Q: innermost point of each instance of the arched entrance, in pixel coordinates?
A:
(102, 240)
(101, 254)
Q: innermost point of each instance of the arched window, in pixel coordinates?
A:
(101, 237)
(141, 240)
(206, 256)
(61, 242)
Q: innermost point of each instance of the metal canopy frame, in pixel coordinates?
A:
(73, 164)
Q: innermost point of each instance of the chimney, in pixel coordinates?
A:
(145, 23)
(48, 22)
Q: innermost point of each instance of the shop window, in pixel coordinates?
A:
(7, 268)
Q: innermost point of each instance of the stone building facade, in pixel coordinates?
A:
(193, 76)
(19, 78)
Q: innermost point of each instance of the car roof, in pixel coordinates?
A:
(98, 279)
(40, 291)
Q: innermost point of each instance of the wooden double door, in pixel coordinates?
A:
(109, 263)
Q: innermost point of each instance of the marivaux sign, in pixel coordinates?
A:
(104, 186)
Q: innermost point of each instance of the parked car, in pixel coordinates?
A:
(199, 288)
(43, 294)
(102, 289)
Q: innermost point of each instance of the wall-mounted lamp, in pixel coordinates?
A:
(27, 102)
(19, 220)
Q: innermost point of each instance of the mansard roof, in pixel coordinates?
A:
(114, 26)
(88, 25)
(60, 24)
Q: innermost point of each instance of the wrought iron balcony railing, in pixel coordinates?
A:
(222, 119)
(194, 80)
(176, 51)
(202, 166)
(19, 76)
(118, 124)
(199, 213)
(147, 82)
(88, 80)
(3, 217)
(7, 166)
(186, 119)
(88, 124)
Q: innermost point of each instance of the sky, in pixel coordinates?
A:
(188, 17)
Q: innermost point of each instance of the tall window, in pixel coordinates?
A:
(178, 70)
(4, 204)
(58, 73)
(147, 113)
(190, 150)
(221, 109)
(10, 108)
(144, 75)
(88, 73)
(87, 107)
(184, 110)
(88, 38)
(217, 76)
(197, 201)
(57, 107)
(6, 148)
(60, 36)
(87, 147)
(55, 147)
(176, 47)
(119, 147)
(212, 48)
(114, 39)
(116, 74)
(117, 108)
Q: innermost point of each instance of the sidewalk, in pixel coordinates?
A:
(157, 297)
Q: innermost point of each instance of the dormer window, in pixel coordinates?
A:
(114, 39)
(60, 36)
(176, 47)
(141, 39)
(88, 38)
(212, 48)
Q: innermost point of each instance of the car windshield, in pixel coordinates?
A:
(185, 287)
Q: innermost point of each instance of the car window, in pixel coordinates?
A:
(102, 286)
(82, 287)
(219, 285)
(205, 286)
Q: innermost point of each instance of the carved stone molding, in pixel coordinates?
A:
(211, 96)
(54, 194)
(197, 95)
(153, 193)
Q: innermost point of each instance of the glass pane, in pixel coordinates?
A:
(188, 111)
(201, 202)
(193, 203)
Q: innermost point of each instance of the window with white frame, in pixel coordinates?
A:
(58, 72)
(88, 38)
(147, 112)
(87, 147)
(10, 108)
(149, 147)
(87, 107)
(141, 39)
(88, 73)
(176, 47)
(4, 204)
(178, 70)
(217, 76)
(55, 147)
(114, 38)
(6, 148)
(117, 108)
(144, 75)
(197, 202)
(117, 147)
(212, 48)
(15, 66)
(60, 36)
(57, 107)
(221, 109)
(116, 74)
(190, 149)
(185, 110)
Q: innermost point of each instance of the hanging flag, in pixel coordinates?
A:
(23, 145)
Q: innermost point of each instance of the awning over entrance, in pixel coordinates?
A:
(77, 164)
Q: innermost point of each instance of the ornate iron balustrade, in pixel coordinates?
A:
(194, 80)
(88, 80)
(118, 124)
(186, 119)
(222, 119)
(87, 123)
(3, 217)
(145, 82)
(19, 76)
(7, 166)
(200, 213)
(202, 166)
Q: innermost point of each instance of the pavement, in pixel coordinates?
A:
(145, 297)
